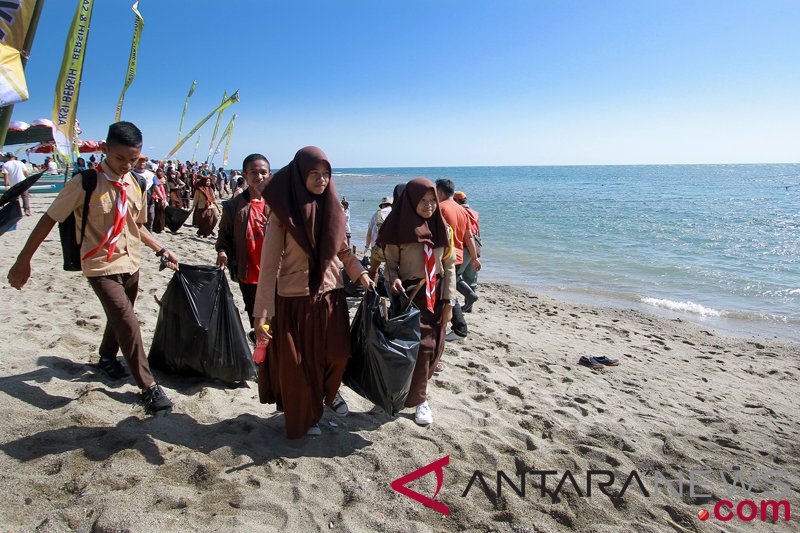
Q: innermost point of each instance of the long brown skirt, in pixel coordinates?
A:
(207, 220)
(310, 350)
(175, 198)
(431, 345)
(159, 217)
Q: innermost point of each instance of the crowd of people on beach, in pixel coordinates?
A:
(285, 238)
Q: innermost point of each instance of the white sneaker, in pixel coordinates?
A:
(423, 416)
(339, 406)
(314, 431)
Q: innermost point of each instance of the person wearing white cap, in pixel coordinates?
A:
(376, 256)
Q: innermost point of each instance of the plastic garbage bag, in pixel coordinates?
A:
(384, 353)
(175, 217)
(199, 330)
(10, 214)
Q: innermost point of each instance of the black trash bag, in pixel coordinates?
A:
(352, 290)
(384, 354)
(175, 217)
(10, 214)
(15, 191)
(199, 330)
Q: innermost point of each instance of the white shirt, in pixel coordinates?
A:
(372, 229)
(15, 170)
(149, 178)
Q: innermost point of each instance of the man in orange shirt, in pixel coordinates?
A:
(458, 219)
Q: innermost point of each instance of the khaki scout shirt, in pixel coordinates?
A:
(407, 261)
(102, 208)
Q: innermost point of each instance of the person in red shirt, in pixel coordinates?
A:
(469, 276)
(458, 219)
(242, 229)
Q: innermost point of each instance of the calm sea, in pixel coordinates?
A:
(714, 244)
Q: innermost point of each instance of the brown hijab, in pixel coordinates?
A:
(404, 225)
(315, 222)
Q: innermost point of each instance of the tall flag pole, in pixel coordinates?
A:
(232, 99)
(185, 107)
(216, 128)
(138, 24)
(68, 84)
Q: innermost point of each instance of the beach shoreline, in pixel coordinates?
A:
(77, 451)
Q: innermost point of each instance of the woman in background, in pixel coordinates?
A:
(206, 212)
(159, 194)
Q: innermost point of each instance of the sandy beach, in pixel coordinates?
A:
(78, 453)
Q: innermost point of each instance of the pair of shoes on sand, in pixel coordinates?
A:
(154, 399)
(339, 406)
(596, 363)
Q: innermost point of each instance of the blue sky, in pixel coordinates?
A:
(439, 83)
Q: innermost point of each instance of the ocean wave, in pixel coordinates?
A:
(686, 307)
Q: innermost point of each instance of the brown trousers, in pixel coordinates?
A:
(117, 294)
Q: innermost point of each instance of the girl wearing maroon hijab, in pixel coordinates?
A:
(418, 252)
(300, 293)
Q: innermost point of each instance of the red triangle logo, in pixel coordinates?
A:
(437, 466)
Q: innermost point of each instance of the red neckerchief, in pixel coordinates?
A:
(430, 276)
(121, 211)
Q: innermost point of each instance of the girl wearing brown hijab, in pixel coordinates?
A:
(416, 245)
(205, 209)
(300, 293)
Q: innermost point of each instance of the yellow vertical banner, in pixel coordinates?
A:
(225, 133)
(185, 107)
(216, 128)
(196, 146)
(231, 100)
(15, 19)
(228, 143)
(65, 104)
(138, 24)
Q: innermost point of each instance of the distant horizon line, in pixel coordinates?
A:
(567, 165)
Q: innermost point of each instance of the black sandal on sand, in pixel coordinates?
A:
(591, 362)
(603, 360)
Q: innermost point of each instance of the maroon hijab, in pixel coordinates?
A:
(404, 225)
(315, 222)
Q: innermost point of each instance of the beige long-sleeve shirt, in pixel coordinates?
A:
(285, 264)
(407, 261)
